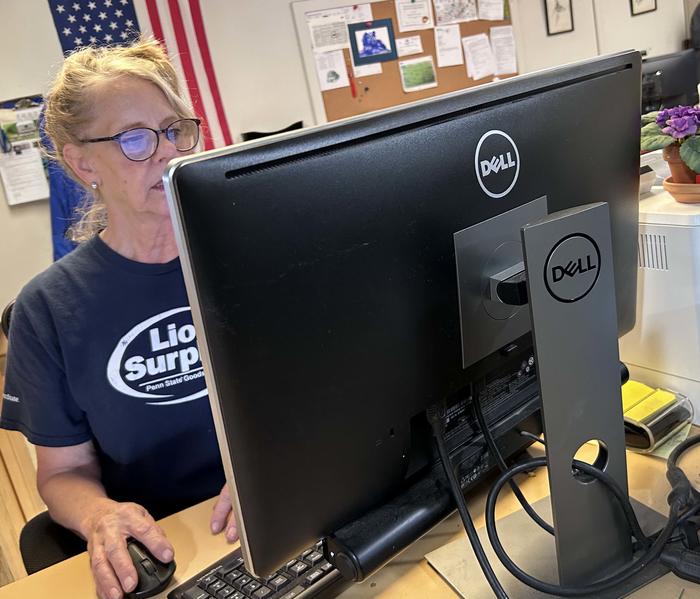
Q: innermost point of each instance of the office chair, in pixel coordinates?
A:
(251, 135)
(42, 542)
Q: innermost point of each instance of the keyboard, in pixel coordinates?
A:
(308, 575)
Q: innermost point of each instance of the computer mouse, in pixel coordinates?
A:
(153, 574)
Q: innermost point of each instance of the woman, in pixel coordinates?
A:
(103, 372)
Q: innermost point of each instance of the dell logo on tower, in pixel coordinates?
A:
(497, 163)
(572, 268)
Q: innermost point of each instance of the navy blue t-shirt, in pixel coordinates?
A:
(103, 348)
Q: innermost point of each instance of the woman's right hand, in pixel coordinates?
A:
(106, 531)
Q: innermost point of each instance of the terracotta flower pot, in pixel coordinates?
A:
(680, 172)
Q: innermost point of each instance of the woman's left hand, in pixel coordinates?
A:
(222, 517)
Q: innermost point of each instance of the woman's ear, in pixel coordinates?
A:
(79, 162)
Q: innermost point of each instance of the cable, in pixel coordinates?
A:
(496, 453)
(683, 499)
(651, 554)
(533, 437)
(436, 422)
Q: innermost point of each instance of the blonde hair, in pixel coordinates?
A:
(69, 105)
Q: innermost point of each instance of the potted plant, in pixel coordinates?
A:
(675, 130)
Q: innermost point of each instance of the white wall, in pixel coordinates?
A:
(29, 55)
(537, 50)
(658, 32)
(257, 59)
(600, 27)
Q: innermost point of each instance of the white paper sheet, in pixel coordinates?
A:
(328, 35)
(23, 177)
(331, 70)
(328, 28)
(478, 55)
(414, 15)
(366, 69)
(503, 45)
(448, 46)
(491, 10)
(454, 11)
(352, 14)
(417, 74)
(409, 45)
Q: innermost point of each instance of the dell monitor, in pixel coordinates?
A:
(670, 80)
(321, 271)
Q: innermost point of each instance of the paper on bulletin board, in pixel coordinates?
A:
(448, 46)
(406, 46)
(503, 45)
(23, 176)
(364, 70)
(328, 35)
(328, 28)
(448, 12)
(331, 70)
(479, 56)
(414, 15)
(417, 74)
(491, 10)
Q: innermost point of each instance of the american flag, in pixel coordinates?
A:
(178, 24)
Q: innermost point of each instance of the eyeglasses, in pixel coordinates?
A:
(141, 143)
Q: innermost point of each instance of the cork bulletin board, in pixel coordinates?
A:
(374, 92)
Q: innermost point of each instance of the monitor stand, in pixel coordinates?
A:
(571, 293)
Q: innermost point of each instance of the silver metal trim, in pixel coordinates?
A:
(171, 193)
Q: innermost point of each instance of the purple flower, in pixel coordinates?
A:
(681, 126)
(679, 122)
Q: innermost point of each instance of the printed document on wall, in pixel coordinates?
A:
(414, 14)
(448, 12)
(448, 46)
(503, 45)
(23, 176)
(478, 55)
(328, 28)
(331, 70)
(491, 10)
(409, 45)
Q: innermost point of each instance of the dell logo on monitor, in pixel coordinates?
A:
(497, 163)
(572, 268)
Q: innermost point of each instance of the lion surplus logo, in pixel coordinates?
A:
(497, 163)
(158, 360)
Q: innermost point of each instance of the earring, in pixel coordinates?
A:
(93, 184)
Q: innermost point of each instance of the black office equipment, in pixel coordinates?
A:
(308, 573)
(153, 575)
(252, 135)
(670, 80)
(322, 276)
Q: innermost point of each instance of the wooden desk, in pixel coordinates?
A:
(408, 575)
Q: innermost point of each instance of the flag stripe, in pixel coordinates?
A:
(162, 13)
(184, 50)
(198, 22)
(198, 65)
(154, 17)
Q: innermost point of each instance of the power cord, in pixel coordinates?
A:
(435, 417)
(496, 454)
(682, 499)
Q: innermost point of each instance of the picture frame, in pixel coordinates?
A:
(372, 42)
(640, 7)
(559, 15)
